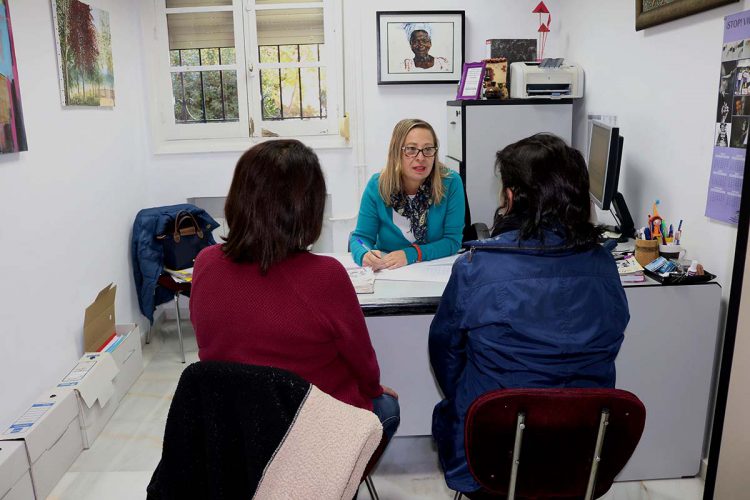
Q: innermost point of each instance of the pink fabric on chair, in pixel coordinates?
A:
(324, 453)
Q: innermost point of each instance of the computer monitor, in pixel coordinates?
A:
(604, 152)
(604, 158)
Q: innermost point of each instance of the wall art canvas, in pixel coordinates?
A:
(84, 54)
(12, 130)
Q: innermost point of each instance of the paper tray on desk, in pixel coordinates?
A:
(681, 279)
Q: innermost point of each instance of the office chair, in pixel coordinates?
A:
(243, 431)
(176, 287)
(148, 257)
(550, 443)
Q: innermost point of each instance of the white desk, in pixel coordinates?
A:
(667, 360)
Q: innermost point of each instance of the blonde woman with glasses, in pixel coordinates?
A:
(413, 210)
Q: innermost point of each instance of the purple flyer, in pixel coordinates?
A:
(732, 125)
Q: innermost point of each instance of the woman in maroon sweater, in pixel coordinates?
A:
(263, 299)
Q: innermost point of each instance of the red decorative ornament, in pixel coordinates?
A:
(543, 28)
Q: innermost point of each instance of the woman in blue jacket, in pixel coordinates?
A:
(414, 209)
(539, 304)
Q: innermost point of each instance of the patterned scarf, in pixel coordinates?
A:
(415, 209)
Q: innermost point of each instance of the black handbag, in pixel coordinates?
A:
(183, 241)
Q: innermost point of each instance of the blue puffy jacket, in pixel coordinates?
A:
(521, 315)
(148, 255)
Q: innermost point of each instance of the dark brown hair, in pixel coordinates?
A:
(275, 203)
(550, 186)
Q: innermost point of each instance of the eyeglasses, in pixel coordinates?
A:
(411, 151)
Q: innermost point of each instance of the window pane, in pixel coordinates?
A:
(323, 93)
(190, 57)
(212, 89)
(231, 105)
(188, 96)
(228, 55)
(209, 57)
(288, 53)
(196, 3)
(174, 57)
(205, 30)
(268, 53)
(290, 93)
(270, 94)
(289, 26)
(308, 53)
(310, 93)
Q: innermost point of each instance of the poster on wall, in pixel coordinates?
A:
(12, 130)
(84, 54)
(732, 121)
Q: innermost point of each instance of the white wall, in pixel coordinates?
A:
(68, 205)
(662, 85)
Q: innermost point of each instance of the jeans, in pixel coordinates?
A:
(388, 411)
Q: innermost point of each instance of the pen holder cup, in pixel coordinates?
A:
(646, 251)
(673, 252)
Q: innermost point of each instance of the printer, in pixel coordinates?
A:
(531, 80)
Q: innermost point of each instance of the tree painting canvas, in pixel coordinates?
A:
(84, 54)
(12, 130)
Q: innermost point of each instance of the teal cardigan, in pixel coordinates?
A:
(445, 224)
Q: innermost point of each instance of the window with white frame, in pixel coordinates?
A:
(248, 68)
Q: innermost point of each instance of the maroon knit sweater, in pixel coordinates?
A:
(302, 316)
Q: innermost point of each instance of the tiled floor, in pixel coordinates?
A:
(120, 463)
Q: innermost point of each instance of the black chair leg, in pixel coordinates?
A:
(457, 496)
(371, 488)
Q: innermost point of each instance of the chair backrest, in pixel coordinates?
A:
(242, 431)
(558, 439)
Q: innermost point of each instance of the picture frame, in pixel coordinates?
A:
(649, 13)
(472, 80)
(420, 46)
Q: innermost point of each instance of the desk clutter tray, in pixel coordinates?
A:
(680, 278)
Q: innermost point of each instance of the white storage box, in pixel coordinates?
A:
(129, 359)
(15, 477)
(92, 380)
(51, 432)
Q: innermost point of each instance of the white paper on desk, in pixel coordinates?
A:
(420, 271)
(445, 261)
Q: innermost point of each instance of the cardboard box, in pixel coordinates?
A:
(99, 319)
(15, 477)
(51, 432)
(129, 359)
(92, 380)
(98, 327)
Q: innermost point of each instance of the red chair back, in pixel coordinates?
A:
(558, 440)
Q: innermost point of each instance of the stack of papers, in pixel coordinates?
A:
(181, 275)
(630, 270)
(438, 270)
(363, 279)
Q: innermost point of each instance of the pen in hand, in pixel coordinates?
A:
(366, 247)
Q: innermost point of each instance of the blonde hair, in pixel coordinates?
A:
(390, 177)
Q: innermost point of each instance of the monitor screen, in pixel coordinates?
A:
(603, 163)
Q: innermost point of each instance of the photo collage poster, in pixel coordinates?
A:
(732, 125)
